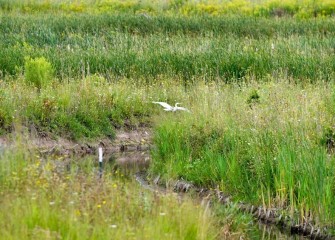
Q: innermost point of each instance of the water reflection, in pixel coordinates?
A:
(270, 232)
(129, 162)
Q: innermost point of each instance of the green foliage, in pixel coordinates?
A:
(89, 108)
(13, 165)
(266, 8)
(328, 137)
(253, 97)
(221, 49)
(273, 154)
(6, 112)
(38, 72)
(328, 140)
(266, 155)
(40, 201)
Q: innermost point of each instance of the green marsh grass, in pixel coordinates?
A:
(38, 201)
(109, 67)
(268, 153)
(215, 49)
(88, 108)
(265, 8)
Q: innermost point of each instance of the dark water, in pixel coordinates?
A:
(129, 162)
(269, 232)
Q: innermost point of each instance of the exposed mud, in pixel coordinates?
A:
(133, 140)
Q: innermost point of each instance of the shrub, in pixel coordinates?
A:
(38, 71)
(253, 98)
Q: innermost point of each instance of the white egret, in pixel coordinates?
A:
(169, 108)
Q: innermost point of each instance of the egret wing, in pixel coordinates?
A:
(164, 104)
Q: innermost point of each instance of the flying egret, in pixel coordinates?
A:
(169, 108)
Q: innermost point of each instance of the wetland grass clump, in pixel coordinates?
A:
(38, 72)
(269, 154)
(253, 98)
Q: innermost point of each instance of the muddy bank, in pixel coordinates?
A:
(126, 140)
(267, 216)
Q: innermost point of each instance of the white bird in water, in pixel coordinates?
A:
(169, 108)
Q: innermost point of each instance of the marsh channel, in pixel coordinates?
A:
(129, 157)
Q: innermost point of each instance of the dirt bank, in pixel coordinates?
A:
(126, 140)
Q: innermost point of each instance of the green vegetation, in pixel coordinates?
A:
(258, 78)
(39, 201)
(272, 153)
(259, 8)
(210, 48)
(38, 72)
(89, 108)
